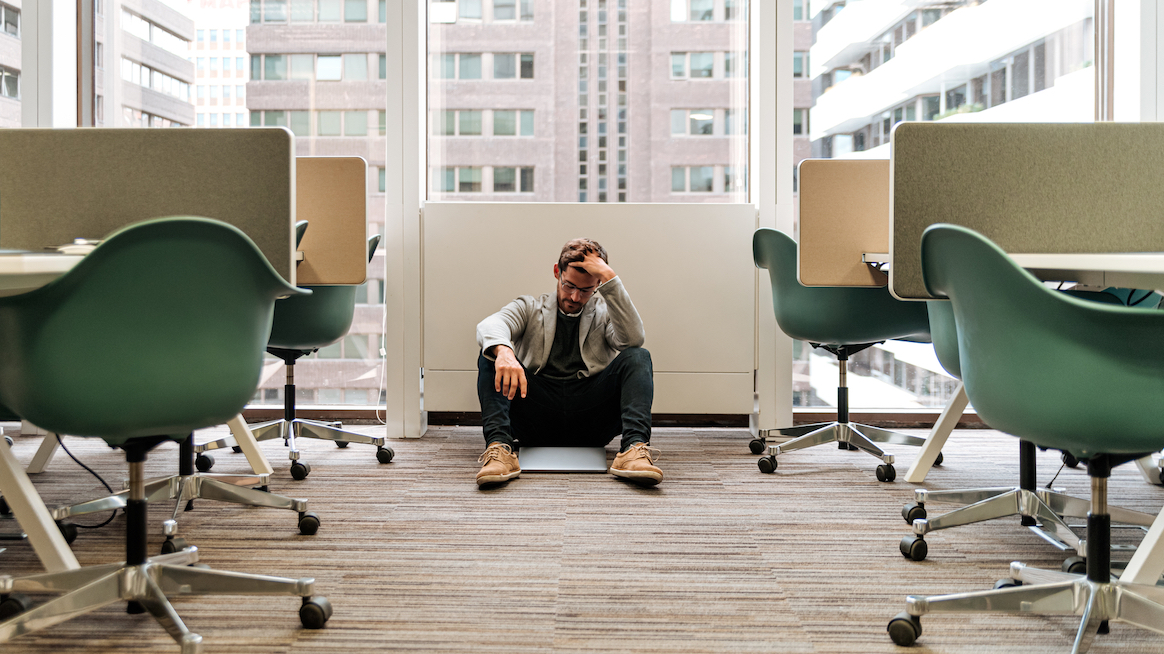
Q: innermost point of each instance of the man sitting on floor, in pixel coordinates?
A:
(590, 378)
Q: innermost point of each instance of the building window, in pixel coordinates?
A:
(328, 123)
(800, 122)
(469, 9)
(512, 180)
(512, 123)
(356, 67)
(99, 54)
(731, 9)
(693, 179)
(800, 64)
(504, 9)
(692, 122)
(328, 68)
(355, 11)
(798, 9)
(201, 35)
(9, 83)
(380, 172)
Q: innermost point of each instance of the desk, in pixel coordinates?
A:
(19, 273)
(1118, 269)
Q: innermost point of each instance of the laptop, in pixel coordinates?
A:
(563, 459)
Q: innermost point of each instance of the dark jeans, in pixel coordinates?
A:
(586, 412)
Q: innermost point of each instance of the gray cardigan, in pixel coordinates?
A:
(610, 324)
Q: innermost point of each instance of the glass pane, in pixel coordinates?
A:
(328, 68)
(678, 179)
(504, 9)
(702, 64)
(504, 66)
(302, 11)
(302, 66)
(301, 123)
(527, 123)
(702, 122)
(702, 10)
(504, 123)
(329, 123)
(355, 123)
(274, 11)
(678, 64)
(469, 180)
(329, 11)
(504, 180)
(470, 9)
(275, 67)
(356, 11)
(355, 67)
(470, 66)
(702, 179)
(469, 123)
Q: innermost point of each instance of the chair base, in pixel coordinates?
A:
(184, 489)
(289, 430)
(1044, 592)
(1043, 510)
(852, 435)
(147, 588)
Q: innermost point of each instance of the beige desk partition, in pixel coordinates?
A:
(690, 276)
(844, 212)
(59, 185)
(1030, 187)
(331, 195)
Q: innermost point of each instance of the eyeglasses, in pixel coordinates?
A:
(570, 288)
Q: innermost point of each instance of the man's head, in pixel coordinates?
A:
(575, 285)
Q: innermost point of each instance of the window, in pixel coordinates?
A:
(274, 67)
(383, 66)
(238, 36)
(702, 178)
(356, 67)
(225, 94)
(225, 40)
(469, 9)
(355, 11)
(504, 66)
(328, 68)
(800, 64)
(330, 11)
(470, 66)
(214, 36)
(239, 118)
(300, 123)
(214, 63)
(678, 65)
(527, 66)
(201, 65)
(702, 10)
(800, 122)
(512, 123)
(355, 123)
(238, 64)
(11, 20)
(380, 171)
(9, 83)
(735, 121)
(527, 15)
(730, 65)
(505, 10)
(504, 180)
(302, 66)
(239, 92)
(99, 54)
(383, 8)
(731, 9)
(383, 122)
(302, 11)
(214, 120)
(469, 123)
(693, 122)
(329, 123)
(468, 180)
(702, 65)
(798, 9)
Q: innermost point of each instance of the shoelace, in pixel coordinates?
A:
(652, 454)
(493, 453)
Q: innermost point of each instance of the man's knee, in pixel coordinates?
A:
(636, 356)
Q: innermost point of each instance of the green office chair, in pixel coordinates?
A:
(842, 321)
(1040, 509)
(1050, 369)
(158, 332)
(301, 326)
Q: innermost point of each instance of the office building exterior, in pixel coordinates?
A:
(221, 64)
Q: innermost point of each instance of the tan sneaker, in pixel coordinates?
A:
(637, 464)
(498, 464)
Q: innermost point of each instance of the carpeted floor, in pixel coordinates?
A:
(719, 558)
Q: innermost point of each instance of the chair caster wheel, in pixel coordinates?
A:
(4, 510)
(299, 471)
(914, 548)
(1007, 583)
(384, 454)
(204, 462)
(938, 461)
(767, 464)
(8, 439)
(68, 530)
(13, 605)
(842, 445)
(1069, 460)
(1076, 565)
(342, 444)
(758, 445)
(308, 524)
(886, 472)
(904, 629)
(173, 544)
(913, 511)
(236, 449)
(315, 612)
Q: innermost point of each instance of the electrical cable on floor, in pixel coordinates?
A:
(90, 471)
(1056, 476)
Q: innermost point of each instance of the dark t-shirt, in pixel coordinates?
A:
(565, 360)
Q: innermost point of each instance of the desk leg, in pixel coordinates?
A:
(44, 454)
(938, 435)
(250, 447)
(1147, 563)
(34, 518)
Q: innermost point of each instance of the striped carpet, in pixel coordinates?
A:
(719, 558)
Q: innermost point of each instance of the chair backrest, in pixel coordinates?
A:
(160, 330)
(312, 321)
(1081, 376)
(832, 315)
(944, 335)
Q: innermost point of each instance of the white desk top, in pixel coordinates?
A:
(21, 272)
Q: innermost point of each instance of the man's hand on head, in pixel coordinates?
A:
(595, 266)
(510, 377)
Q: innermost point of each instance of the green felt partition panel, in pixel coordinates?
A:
(1030, 188)
(59, 185)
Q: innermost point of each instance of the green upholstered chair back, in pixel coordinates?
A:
(832, 315)
(1076, 375)
(159, 331)
(309, 322)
